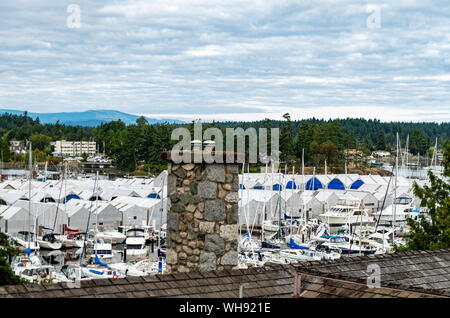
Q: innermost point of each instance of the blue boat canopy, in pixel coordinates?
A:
(314, 184)
(336, 184)
(277, 187)
(70, 197)
(357, 184)
(291, 185)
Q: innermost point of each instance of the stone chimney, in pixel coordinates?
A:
(202, 217)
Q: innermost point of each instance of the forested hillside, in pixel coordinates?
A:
(134, 145)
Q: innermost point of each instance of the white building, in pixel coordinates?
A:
(75, 148)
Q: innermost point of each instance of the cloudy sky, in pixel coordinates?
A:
(230, 59)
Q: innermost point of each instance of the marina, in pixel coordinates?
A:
(86, 228)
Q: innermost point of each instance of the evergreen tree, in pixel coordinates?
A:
(381, 141)
(434, 233)
(286, 138)
(7, 276)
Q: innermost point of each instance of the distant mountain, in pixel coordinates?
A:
(90, 118)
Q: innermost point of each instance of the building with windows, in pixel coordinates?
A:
(75, 148)
(17, 147)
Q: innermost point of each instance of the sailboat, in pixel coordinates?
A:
(49, 241)
(31, 243)
(73, 238)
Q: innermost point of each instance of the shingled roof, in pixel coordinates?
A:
(275, 281)
(409, 274)
(421, 271)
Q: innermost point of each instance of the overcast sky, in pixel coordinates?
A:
(230, 59)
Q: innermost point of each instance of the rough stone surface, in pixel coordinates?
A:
(206, 227)
(188, 166)
(207, 262)
(178, 207)
(180, 173)
(171, 257)
(233, 168)
(171, 184)
(215, 172)
(193, 187)
(215, 210)
(202, 216)
(229, 232)
(172, 222)
(213, 242)
(232, 197)
(229, 258)
(207, 190)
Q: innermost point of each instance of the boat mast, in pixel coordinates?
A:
(240, 206)
(292, 194)
(394, 206)
(160, 268)
(87, 225)
(264, 205)
(29, 191)
(303, 184)
(407, 151)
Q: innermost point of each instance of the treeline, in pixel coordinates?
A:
(139, 145)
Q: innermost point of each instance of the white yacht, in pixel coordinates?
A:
(38, 273)
(112, 235)
(135, 242)
(102, 249)
(347, 212)
(347, 246)
(402, 207)
(23, 262)
(24, 239)
(302, 255)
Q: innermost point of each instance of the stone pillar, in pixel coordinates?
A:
(202, 216)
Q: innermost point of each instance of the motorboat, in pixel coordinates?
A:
(345, 246)
(302, 255)
(112, 235)
(20, 263)
(25, 239)
(38, 273)
(347, 212)
(102, 249)
(402, 207)
(135, 242)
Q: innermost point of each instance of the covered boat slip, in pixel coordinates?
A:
(138, 211)
(103, 214)
(14, 219)
(48, 215)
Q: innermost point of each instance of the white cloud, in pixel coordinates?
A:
(229, 59)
